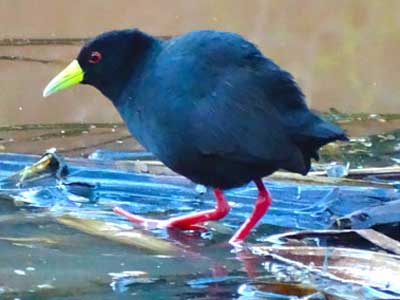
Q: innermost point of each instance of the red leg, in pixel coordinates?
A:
(261, 206)
(184, 222)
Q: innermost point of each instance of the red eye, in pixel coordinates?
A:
(95, 57)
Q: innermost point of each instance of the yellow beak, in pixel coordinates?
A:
(71, 75)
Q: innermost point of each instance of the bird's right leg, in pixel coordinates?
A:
(188, 222)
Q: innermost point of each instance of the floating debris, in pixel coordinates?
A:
(50, 164)
(45, 286)
(362, 239)
(367, 269)
(379, 214)
(39, 240)
(120, 233)
(20, 272)
(276, 290)
(201, 283)
(122, 281)
(337, 170)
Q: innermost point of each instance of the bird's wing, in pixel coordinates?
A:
(236, 120)
(233, 102)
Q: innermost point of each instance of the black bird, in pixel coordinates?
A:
(209, 105)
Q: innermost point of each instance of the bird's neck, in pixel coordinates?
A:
(144, 49)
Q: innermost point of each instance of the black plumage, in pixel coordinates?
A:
(208, 104)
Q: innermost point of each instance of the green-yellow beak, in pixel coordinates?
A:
(71, 75)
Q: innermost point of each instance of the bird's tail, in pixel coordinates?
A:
(318, 135)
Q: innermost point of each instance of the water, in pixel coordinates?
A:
(78, 265)
(43, 258)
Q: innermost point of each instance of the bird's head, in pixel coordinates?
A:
(105, 62)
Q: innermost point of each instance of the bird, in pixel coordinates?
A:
(210, 106)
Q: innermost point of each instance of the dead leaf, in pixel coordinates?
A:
(365, 268)
(40, 240)
(380, 240)
(119, 233)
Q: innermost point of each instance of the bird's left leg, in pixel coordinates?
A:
(188, 222)
(261, 206)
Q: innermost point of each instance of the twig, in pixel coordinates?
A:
(27, 59)
(380, 240)
(50, 41)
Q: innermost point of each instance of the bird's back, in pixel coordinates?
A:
(220, 113)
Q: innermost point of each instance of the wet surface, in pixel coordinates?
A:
(61, 240)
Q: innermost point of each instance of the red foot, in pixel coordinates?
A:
(262, 204)
(188, 222)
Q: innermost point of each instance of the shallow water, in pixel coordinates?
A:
(42, 258)
(78, 265)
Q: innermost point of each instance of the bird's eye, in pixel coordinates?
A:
(95, 57)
